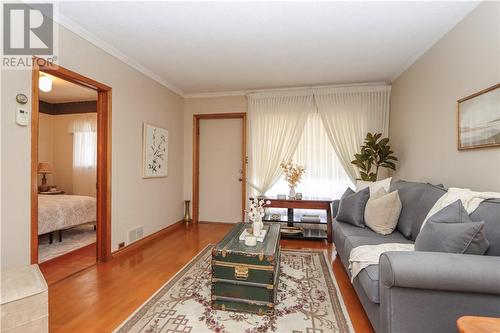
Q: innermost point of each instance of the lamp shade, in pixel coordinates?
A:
(44, 167)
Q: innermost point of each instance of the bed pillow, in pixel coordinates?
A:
(382, 211)
(451, 230)
(374, 186)
(352, 207)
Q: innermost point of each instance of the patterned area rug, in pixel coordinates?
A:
(72, 239)
(308, 301)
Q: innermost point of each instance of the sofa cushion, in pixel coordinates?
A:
(489, 212)
(368, 278)
(347, 237)
(409, 193)
(352, 207)
(382, 211)
(430, 196)
(451, 230)
(343, 231)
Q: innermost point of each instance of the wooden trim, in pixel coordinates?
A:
(143, 241)
(103, 155)
(196, 169)
(56, 109)
(104, 175)
(489, 145)
(69, 75)
(196, 157)
(221, 115)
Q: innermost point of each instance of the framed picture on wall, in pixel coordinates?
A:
(479, 119)
(154, 151)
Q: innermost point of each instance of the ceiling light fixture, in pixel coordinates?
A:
(45, 83)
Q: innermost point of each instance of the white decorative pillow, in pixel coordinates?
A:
(374, 186)
(382, 211)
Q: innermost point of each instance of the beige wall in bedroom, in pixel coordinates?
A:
(424, 101)
(55, 139)
(152, 203)
(46, 144)
(227, 104)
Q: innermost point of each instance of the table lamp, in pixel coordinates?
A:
(44, 168)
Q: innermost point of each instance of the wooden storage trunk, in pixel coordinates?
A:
(246, 278)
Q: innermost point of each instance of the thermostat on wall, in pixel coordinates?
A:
(22, 117)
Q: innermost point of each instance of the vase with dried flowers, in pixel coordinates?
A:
(255, 213)
(293, 174)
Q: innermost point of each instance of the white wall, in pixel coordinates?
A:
(424, 102)
(153, 203)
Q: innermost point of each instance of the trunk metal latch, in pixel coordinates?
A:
(241, 272)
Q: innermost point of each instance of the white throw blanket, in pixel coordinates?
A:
(366, 255)
(470, 200)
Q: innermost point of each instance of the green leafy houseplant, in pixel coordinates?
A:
(375, 152)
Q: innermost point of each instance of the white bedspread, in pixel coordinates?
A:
(366, 255)
(56, 212)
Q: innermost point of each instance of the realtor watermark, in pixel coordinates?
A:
(29, 35)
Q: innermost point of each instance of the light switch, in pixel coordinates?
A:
(22, 117)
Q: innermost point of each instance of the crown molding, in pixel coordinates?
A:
(291, 89)
(88, 36)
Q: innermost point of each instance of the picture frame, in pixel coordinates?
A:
(154, 151)
(478, 119)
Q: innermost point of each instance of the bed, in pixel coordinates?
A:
(59, 212)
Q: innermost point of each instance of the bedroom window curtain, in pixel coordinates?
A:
(348, 114)
(85, 155)
(276, 124)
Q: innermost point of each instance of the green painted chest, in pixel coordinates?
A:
(246, 278)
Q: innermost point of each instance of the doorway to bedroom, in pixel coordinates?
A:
(70, 172)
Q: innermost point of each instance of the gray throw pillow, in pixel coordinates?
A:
(409, 194)
(451, 230)
(352, 207)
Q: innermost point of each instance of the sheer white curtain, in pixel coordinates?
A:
(325, 176)
(276, 124)
(84, 155)
(348, 114)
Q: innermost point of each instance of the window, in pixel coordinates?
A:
(84, 150)
(84, 155)
(324, 177)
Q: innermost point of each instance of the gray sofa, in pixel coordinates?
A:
(423, 291)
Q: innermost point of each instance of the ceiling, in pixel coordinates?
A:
(200, 47)
(64, 92)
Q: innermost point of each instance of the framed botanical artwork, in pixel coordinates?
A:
(479, 119)
(154, 151)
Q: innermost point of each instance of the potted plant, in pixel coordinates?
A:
(375, 152)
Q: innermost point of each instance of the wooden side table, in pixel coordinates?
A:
(473, 324)
(319, 204)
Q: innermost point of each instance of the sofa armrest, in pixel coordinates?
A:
(429, 291)
(440, 271)
(335, 207)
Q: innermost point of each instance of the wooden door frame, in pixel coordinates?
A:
(196, 158)
(103, 218)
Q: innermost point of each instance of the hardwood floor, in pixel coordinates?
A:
(59, 268)
(99, 298)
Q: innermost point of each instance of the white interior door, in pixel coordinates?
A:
(220, 170)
